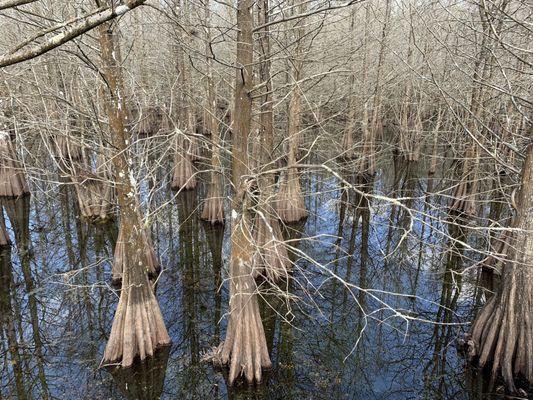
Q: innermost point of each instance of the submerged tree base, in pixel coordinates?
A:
(245, 349)
(502, 334)
(12, 176)
(213, 211)
(138, 327)
(290, 204)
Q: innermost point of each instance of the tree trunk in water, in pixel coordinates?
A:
(245, 348)
(213, 210)
(12, 179)
(138, 328)
(376, 126)
(290, 200)
(270, 258)
(502, 334)
(186, 115)
(347, 150)
(94, 189)
(183, 175)
(463, 201)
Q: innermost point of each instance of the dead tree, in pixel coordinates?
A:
(434, 156)
(213, 210)
(410, 119)
(186, 115)
(245, 348)
(138, 327)
(502, 333)
(12, 179)
(290, 201)
(271, 258)
(374, 129)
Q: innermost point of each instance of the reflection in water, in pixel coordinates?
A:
(7, 324)
(143, 380)
(57, 307)
(18, 211)
(215, 238)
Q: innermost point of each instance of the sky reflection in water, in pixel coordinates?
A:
(65, 297)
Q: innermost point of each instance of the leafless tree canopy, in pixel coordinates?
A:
(369, 161)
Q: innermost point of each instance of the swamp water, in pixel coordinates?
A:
(332, 341)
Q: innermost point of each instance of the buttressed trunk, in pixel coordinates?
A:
(138, 328)
(213, 211)
(12, 179)
(183, 174)
(290, 202)
(502, 334)
(245, 348)
(271, 257)
(94, 190)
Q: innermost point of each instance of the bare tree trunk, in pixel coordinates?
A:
(410, 122)
(271, 258)
(213, 211)
(138, 327)
(12, 178)
(183, 175)
(502, 334)
(245, 348)
(376, 126)
(290, 200)
(347, 150)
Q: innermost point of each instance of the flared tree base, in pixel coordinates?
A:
(290, 204)
(213, 211)
(138, 327)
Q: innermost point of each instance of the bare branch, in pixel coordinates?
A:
(5, 4)
(71, 31)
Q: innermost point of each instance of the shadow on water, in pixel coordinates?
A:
(332, 336)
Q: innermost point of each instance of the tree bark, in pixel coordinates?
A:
(12, 178)
(290, 200)
(245, 348)
(138, 328)
(270, 258)
(213, 210)
(502, 333)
